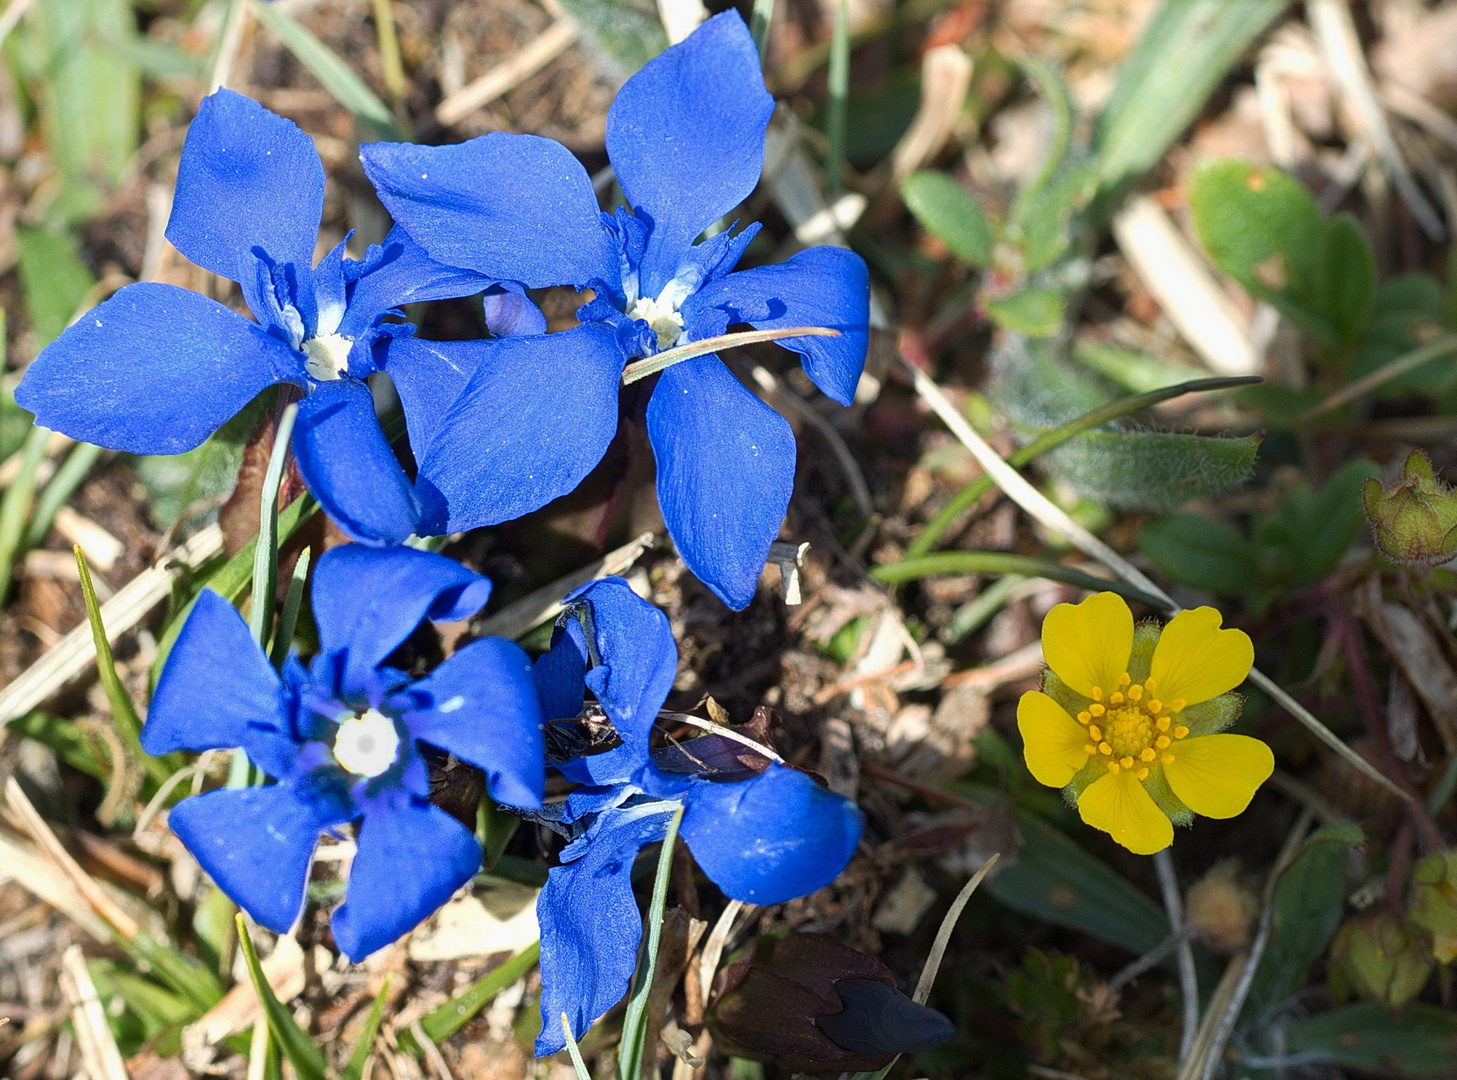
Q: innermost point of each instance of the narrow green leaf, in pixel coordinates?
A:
(999, 562)
(1185, 50)
(288, 621)
(947, 211)
(839, 87)
(62, 486)
(449, 1018)
(574, 1051)
(1200, 552)
(295, 1043)
(1419, 1041)
(1153, 470)
(635, 1035)
(1037, 313)
(1309, 900)
(265, 551)
(1050, 440)
(763, 15)
(234, 576)
(184, 974)
(354, 1070)
(347, 88)
(15, 505)
(1137, 371)
(53, 279)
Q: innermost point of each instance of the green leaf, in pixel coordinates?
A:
(184, 974)
(1042, 214)
(1152, 470)
(336, 76)
(635, 1035)
(176, 482)
(947, 211)
(626, 33)
(1344, 285)
(53, 280)
(1200, 552)
(88, 89)
(354, 1070)
(1186, 49)
(1056, 880)
(1037, 312)
(295, 1043)
(1325, 523)
(16, 502)
(1308, 902)
(449, 1018)
(1137, 371)
(75, 747)
(1419, 1041)
(1000, 562)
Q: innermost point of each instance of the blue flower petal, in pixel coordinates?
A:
(349, 466)
(247, 179)
(154, 370)
(257, 843)
(772, 838)
(590, 926)
(429, 376)
(368, 600)
(725, 474)
(639, 659)
(686, 137)
(484, 710)
(821, 286)
(535, 418)
(510, 312)
(516, 207)
(559, 672)
(217, 691)
(398, 272)
(412, 857)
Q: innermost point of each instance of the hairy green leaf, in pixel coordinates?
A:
(1036, 312)
(624, 34)
(947, 211)
(1152, 470)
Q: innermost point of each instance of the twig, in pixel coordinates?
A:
(229, 44)
(536, 607)
(854, 478)
(641, 369)
(433, 1057)
(501, 79)
(75, 652)
(88, 1016)
(1163, 862)
(1040, 507)
(713, 948)
(726, 732)
(1151, 959)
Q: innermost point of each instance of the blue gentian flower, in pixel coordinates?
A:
(156, 369)
(762, 831)
(343, 737)
(533, 415)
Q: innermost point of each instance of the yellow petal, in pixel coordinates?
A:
(1052, 740)
(1088, 644)
(1195, 660)
(1119, 805)
(1216, 775)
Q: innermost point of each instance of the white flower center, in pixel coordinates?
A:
(367, 745)
(328, 356)
(662, 315)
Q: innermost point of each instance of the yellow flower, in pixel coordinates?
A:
(1128, 720)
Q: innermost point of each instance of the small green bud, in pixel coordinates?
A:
(1415, 520)
(1434, 903)
(1385, 958)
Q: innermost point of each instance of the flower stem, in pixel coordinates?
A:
(1188, 980)
(641, 369)
(634, 1023)
(839, 101)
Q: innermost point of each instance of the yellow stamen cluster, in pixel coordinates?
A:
(1130, 728)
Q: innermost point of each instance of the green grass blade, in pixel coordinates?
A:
(634, 1022)
(123, 711)
(192, 980)
(15, 506)
(354, 1070)
(230, 579)
(295, 1043)
(998, 562)
(449, 1018)
(330, 69)
(62, 486)
(968, 496)
(265, 552)
(759, 21)
(839, 100)
(574, 1050)
(288, 621)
